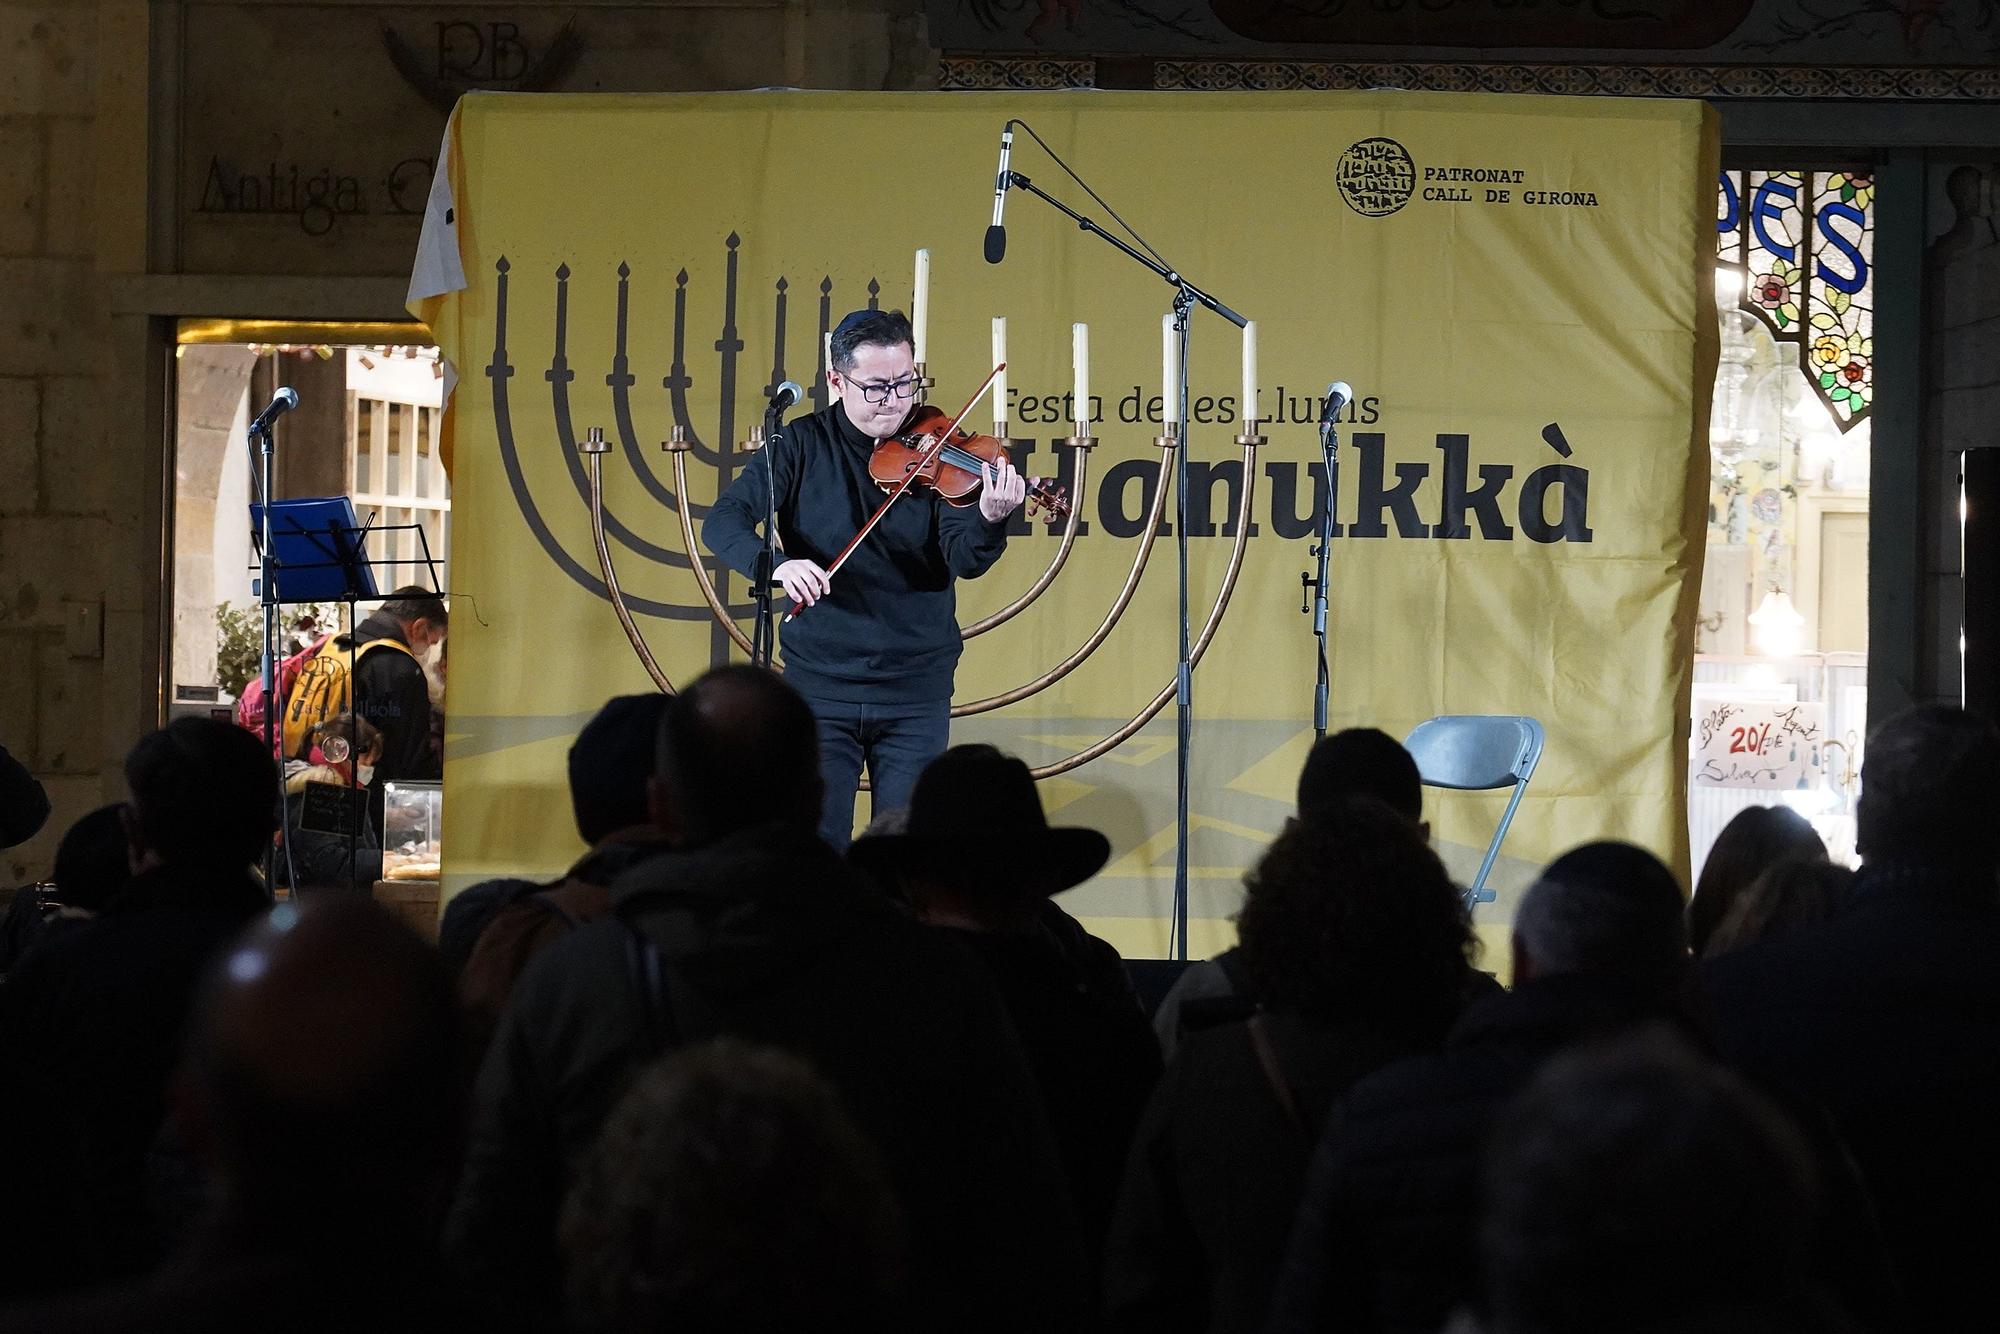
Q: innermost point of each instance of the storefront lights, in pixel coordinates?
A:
(1777, 628)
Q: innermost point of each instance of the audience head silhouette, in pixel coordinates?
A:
(1636, 1186)
(328, 1075)
(1350, 916)
(1790, 895)
(612, 761)
(973, 794)
(1755, 839)
(203, 795)
(1608, 910)
(1361, 761)
(729, 1190)
(738, 749)
(93, 860)
(1930, 781)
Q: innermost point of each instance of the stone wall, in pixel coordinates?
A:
(74, 565)
(209, 421)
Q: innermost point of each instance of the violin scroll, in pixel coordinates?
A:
(1048, 496)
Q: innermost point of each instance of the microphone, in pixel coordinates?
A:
(282, 402)
(1338, 395)
(786, 395)
(996, 235)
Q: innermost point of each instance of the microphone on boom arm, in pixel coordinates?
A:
(996, 235)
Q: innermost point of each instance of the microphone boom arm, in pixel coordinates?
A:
(1167, 275)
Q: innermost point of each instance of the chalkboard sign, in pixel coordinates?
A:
(330, 808)
(1757, 743)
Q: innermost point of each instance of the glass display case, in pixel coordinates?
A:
(411, 846)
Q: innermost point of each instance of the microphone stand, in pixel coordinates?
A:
(1184, 300)
(1186, 296)
(267, 594)
(1328, 444)
(764, 636)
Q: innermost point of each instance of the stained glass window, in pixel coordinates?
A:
(1801, 245)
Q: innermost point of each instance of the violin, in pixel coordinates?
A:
(953, 466)
(931, 451)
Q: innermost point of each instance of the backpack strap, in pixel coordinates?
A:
(342, 647)
(363, 649)
(1267, 1058)
(1230, 961)
(546, 900)
(647, 971)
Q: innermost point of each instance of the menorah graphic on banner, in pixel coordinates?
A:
(724, 453)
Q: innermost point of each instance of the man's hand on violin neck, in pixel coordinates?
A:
(1002, 489)
(804, 581)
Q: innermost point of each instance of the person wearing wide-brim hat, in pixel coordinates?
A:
(978, 857)
(975, 838)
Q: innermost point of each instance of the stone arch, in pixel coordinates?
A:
(211, 385)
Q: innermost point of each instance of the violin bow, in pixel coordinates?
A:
(936, 447)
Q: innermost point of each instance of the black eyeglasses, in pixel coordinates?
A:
(878, 394)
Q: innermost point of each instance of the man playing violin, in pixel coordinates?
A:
(876, 653)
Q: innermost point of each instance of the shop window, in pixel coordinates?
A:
(1780, 701)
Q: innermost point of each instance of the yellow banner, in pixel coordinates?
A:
(1517, 288)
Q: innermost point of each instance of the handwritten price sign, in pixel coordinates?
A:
(1758, 744)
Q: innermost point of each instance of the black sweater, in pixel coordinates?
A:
(888, 632)
(391, 691)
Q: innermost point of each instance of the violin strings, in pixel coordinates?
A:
(970, 462)
(960, 458)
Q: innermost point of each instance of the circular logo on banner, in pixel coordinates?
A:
(1376, 177)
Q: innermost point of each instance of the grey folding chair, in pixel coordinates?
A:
(1474, 752)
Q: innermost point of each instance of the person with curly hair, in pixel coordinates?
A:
(1356, 761)
(1357, 946)
(730, 1189)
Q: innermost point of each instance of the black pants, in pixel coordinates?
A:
(895, 741)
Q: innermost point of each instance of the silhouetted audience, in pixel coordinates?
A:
(1384, 1235)
(1885, 1013)
(324, 1095)
(731, 1191)
(1755, 839)
(610, 771)
(1636, 1186)
(734, 1085)
(92, 863)
(1786, 897)
(95, 1016)
(1356, 943)
(43, 1216)
(24, 805)
(753, 927)
(1357, 761)
(1087, 1040)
